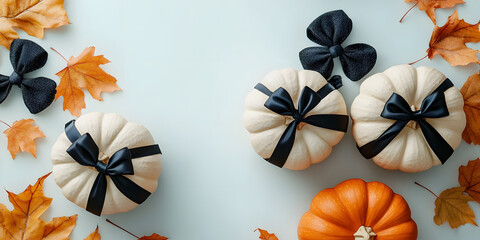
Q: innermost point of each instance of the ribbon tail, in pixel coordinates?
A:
(284, 146)
(374, 147)
(357, 60)
(38, 93)
(130, 189)
(96, 198)
(437, 143)
(335, 122)
(317, 59)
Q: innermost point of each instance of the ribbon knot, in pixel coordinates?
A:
(336, 51)
(85, 151)
(281, 103)
(101, 167)
(15, 79)
(27, 56)
(397, 108)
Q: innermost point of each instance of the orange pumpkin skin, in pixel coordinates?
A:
(337, 213)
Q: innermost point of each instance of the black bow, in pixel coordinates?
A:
(330, 30)
(27, 56)
(85, 152)
(281, 102)
(397, 108)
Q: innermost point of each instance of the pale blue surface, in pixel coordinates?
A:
(186, 67)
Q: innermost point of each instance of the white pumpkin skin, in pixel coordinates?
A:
(409, 151)
(111, 132)
(312, 144)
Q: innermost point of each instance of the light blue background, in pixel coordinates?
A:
(186, 67)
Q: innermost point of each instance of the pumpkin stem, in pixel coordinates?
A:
(364, 233)
(408, 11)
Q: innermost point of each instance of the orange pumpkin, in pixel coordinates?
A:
(358, 210)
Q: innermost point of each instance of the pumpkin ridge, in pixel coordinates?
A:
(327, 217)
(385, 209)
(399, 212)
(362, 221)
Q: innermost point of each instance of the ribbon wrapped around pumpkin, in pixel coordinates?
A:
(281, 103)
(84, 151)
(397, 108)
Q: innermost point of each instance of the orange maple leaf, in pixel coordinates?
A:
(95, 235)
(24, 222)
(449, 41)
(32, 16)
(84, 72)
(471, 96)
(469, 177)
(265, 235)
(429, 6)
(21, 137)
(153, 237)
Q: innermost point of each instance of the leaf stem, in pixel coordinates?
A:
(108, 220)
(418, 60)
(426, 189)
(6, 124)
(408, 12)
(59, 54)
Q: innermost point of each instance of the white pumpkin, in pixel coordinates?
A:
(312, 144)
(409, 151)
(111, 132)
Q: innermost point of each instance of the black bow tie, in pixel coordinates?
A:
(27, 56)
(397, 108)
(330, 30)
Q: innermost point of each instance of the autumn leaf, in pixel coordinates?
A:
(449, 41)
(469, 177)
(32, 16)
(471, 97)
(452, 206)
(24, 222)
(153, 237)
(21, 137)
(84, 72)
(94, 235)
(429, 6)
(266, 235)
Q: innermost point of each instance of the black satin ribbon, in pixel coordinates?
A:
(330, 30)
(281, 102)
(397, 108)
(27, 56)
(85, 152)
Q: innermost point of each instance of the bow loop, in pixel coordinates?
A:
(84, 151)
(27, 56)
(330, 30)
(120, 163)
